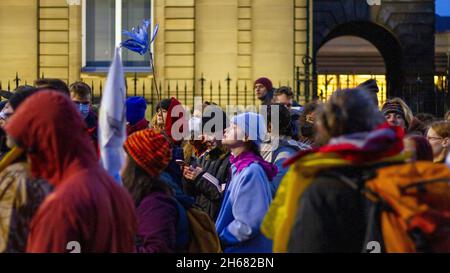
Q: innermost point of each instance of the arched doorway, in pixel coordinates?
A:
(346, 62)
(402, 31)
(371, 38)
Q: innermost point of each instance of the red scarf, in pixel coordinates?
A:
(361, 148)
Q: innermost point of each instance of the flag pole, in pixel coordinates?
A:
(158, 95)
(139, 43)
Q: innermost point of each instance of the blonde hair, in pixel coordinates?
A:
(155, 123)
(447, 116)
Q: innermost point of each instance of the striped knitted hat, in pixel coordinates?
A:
(393, 107)
(150, 149)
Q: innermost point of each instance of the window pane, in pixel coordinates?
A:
(100, 22)
(133, 12)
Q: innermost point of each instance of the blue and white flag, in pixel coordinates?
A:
(112, 121)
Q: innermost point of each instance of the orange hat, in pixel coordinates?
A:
(150, 149)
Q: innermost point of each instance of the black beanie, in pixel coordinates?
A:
(164, 104)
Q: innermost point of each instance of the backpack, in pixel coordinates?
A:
(196, 232)
(203, 237)
(409, 207)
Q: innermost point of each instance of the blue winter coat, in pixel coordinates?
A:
(245, 204)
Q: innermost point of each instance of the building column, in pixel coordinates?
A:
(273, 41)
(216, 46)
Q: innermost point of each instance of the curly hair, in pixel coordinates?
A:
(346, 112)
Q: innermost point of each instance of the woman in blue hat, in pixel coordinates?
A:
(248, 195)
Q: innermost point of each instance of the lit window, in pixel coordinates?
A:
(103, 23)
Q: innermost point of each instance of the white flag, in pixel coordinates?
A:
(112, 119)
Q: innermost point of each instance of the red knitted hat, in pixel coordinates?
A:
(150, 149)
(266, 82)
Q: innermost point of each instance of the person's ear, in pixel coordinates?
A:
(446, 142)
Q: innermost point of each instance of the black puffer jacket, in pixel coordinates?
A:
(209, 186)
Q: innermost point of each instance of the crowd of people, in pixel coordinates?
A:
(292, 180)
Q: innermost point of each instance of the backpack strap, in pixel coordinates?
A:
(372, 207)
(420, 185)
(358, 184)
